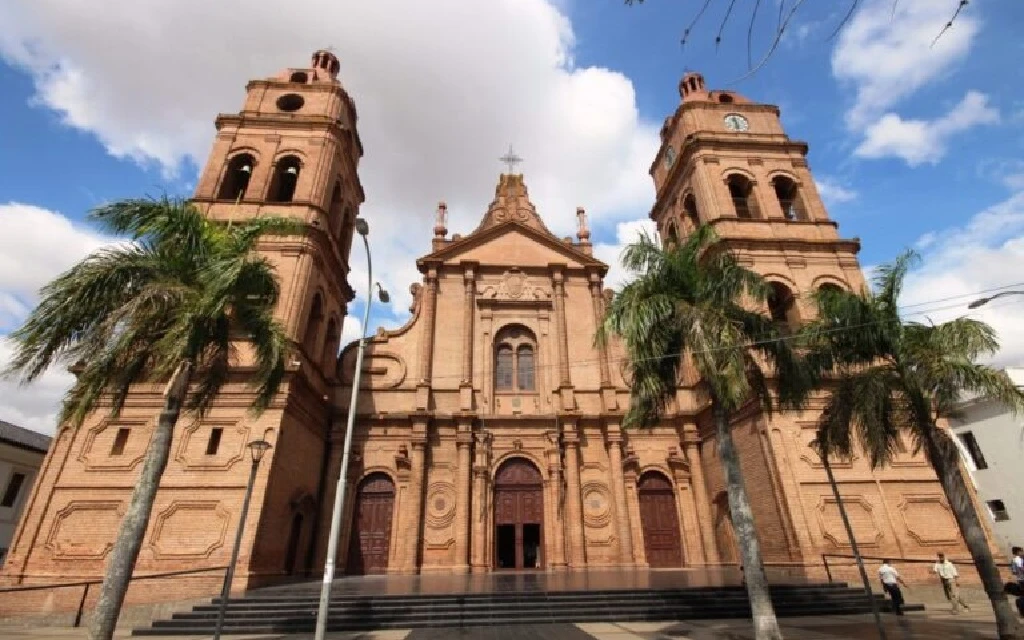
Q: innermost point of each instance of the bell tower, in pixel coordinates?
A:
(293, 151)
(726, 161)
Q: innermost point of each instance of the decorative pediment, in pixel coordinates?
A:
(515, 286)
(511, 242)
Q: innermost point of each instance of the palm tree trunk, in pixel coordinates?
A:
(133, 525)
(942, 453)
(766, 627)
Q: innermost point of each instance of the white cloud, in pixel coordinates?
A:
(351, 329)
(832, 192)
(888, 56)
(35, 246)
(441, 88)
(1007, 171)
(625, 233)
(32, 406)
(922, 141)
(959, 263)
(887, 53)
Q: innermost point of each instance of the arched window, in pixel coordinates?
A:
(286, 177)
(782, 304)
(524, 368)
(830, 287)
(334, 207)
(331, 344)
(316, 318)
(515, 362)
(503, 368)
(741, 190)
(236, 177)
(788, 195)
(690, 207)
(300, 77)
(671, 236)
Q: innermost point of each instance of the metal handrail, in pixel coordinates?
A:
(828, 570)
(88, 583)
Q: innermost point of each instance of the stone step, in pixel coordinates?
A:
(285, 612)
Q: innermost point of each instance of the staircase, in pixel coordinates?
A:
(294, 611)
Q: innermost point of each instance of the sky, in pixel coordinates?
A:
(914, 142)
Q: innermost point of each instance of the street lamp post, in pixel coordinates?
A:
(256, 448)
(339, 493)
(982, 301)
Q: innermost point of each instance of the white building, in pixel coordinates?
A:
(21, 453)
(991, 441)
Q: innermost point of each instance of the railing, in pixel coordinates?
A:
(828, 569)
(88, 583)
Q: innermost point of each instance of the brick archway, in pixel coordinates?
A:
(659, 520)
(518, 515)
(371, 525)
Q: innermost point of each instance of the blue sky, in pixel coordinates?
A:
(911, 144)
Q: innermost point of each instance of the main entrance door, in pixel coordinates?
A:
(371, 526)
(518, 516)
(660, 521)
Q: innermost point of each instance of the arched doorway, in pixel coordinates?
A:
(518, 515)
(659, 520)
(294, 535)
(371, 525)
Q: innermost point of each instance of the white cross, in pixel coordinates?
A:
(511, 159)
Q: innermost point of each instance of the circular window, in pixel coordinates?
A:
(290, 102)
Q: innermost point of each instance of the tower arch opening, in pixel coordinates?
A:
(236, 177)
(788, 194)
(286, 178)
(741, 191)
(316, 319)
(782, 305)
(690, 209)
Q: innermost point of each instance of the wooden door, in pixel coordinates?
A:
(660, 521)
(518, 516)
(371, 526)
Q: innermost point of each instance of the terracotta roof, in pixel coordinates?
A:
(24, 437)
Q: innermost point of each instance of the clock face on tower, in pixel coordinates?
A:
(736, 122)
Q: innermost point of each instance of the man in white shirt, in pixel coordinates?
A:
(950, 579)
(891, 582)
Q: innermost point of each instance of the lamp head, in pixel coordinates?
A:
(383, 294)
(977, 303)
(257, 448)
(246, 168)
(293, 170)
(361, 227)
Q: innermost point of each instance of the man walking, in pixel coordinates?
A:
(950, 579)
(1017, 567)
(891, 582)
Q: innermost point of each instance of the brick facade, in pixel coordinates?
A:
(441, 409)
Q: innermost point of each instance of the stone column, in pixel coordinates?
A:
(414, 512)
(619, 495)
(557, 561)
(426, 356)
(598, 302)
(481, 473)
(464, 441)
(691, 442)
(468, 339)
(558, 285)
(630, 474)
(573, 506)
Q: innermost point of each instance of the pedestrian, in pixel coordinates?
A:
(891, 581)
(1017, 567)
(950, 579)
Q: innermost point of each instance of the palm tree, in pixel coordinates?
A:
(172, 304)
(692, 304)
(890, 378)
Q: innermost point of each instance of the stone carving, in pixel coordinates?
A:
(191, 452)
(440, 511)
(862, 518)
(189, 529)
(597, 504)
(928, 519)
(381, 370)
(515, 285)
(415, 289)
(81, 530)
(96, 455)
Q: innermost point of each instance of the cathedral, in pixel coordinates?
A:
(488, 431)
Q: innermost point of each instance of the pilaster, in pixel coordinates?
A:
(557, 560)
(481, 501)
(573, 504)
(566, 395)
(614, 440)
(463, 503)
(414, 512)
(691, 447)
(468, 337)
(426, 355)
